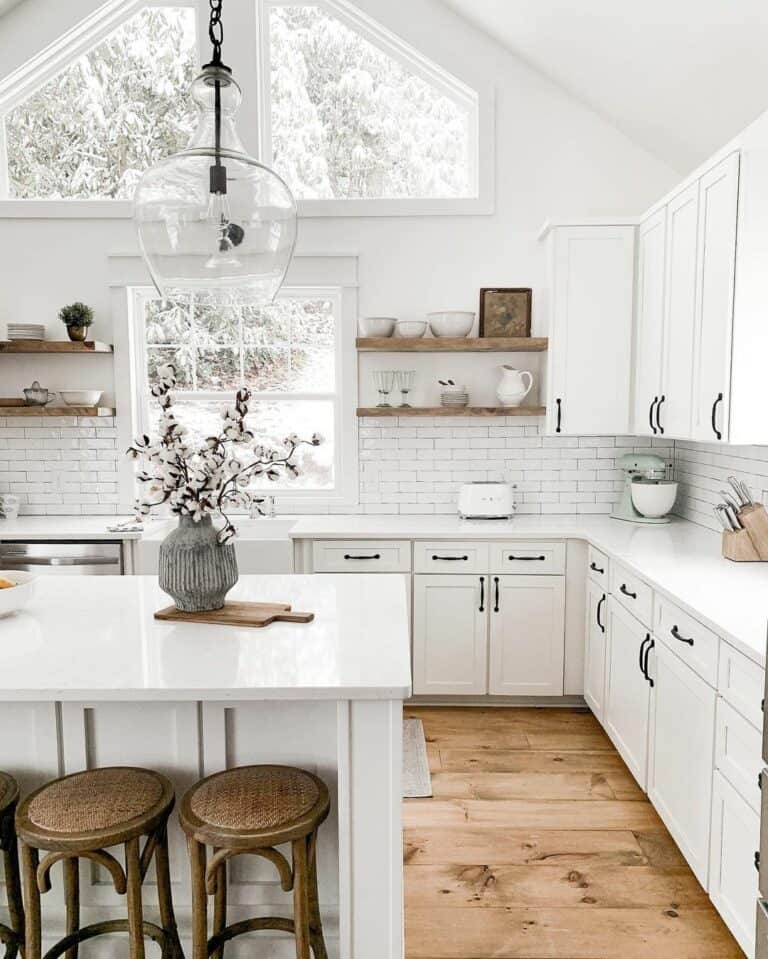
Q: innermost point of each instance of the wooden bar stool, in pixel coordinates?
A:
(13, 937)
(252, 809)
(80, 817)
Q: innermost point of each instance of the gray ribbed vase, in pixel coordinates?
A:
(195, 570)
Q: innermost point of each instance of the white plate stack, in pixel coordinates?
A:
(454, 397)
(26, 331)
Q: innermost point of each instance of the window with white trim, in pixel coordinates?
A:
(350, 112)
(288, 354)
(91, 130)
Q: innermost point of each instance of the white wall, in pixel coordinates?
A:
(554, 157)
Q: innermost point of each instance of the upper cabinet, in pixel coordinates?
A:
(590, 319)
(649, 333)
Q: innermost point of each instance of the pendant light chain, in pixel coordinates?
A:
(216, 31)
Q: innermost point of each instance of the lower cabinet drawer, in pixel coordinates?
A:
(457, 557)
(597, 566)
(528, 559)
(633, 594)
(695, 644)
(370, 556)
(737, 753)
(733, 881)
(740, 682)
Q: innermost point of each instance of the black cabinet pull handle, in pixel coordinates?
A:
(595, 568)
(496, 603)
(650, 414)
(559, 404)
(597, 612)
(642, 650)
(648, 649)
(482, 594)
(715, 430)
(658, 412)
(526, 559)
(757, 860)
(623, 589)
(451, 559)
(375, 556)
(683, 639)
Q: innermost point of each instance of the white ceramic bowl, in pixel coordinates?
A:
(80, 397)
(411, 328)
(451, 323)
(654, 500)
(16, 597)
(378, 325)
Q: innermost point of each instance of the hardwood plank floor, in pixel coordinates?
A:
(538, 844)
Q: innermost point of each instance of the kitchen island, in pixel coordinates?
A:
(89, 678)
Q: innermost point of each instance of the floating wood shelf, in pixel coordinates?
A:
(452, 344)
(53, 346)
(56, 411)
(451, 411)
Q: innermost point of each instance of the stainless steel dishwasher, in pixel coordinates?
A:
(64, 559)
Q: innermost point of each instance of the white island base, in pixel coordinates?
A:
(88, 678)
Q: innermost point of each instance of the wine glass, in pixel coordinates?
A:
(383, 379)
(405, 380)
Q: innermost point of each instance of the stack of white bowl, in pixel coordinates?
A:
(26, 331)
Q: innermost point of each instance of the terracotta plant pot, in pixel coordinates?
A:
(77, 333)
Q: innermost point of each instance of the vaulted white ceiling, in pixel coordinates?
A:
(679, 77)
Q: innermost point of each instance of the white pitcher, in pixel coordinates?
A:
(512, 387)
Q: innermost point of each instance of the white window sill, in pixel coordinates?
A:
(123, 209)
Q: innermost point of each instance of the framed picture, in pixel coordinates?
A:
(505, 311)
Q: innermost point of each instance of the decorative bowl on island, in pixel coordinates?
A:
(80, 397)
(411, 329)
(378, 325)
(13, 598)
(451, 322)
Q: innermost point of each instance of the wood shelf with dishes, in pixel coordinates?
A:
(452, 344)
(398, 411)
(23, 410)
(54, 347)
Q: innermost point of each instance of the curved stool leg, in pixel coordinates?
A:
(301, 898)
(165, 901)
(72, 896)
(13, 892)
(133, 883)
(315, 920)
(32, 931)
(199, 900)
(220, 907)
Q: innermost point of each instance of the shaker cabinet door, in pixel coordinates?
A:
(649, 319)
(450, 634)
(627, 691)
(718, 207)
(682, 756)
(594, 659)
(527, 635)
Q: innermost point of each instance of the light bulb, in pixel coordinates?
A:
(226, 235)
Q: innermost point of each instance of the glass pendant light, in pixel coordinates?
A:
(211, 217)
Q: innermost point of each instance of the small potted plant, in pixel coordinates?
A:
(77, 317)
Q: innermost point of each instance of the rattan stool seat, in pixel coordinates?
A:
(9, 791)
(11, 936)
(94, 807)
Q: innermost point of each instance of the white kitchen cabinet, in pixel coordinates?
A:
(590, 329)
(627, 690)
(527, 617)
(682, 756)
(596, 639)
(733, 878)
(649, 321)
(718, 211)
(450, 634)
(673, 410)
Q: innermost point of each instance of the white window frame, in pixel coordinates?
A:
(247, 34)
(326, 276)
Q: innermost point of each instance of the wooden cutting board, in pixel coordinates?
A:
(255, 615)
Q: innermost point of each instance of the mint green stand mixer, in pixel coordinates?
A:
(648, 495)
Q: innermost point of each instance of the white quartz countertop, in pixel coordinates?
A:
(55, 528)
(96, 638)
(681, 560)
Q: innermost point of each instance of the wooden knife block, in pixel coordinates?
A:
(748, 545)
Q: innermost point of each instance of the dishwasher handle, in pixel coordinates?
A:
(18, 559)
